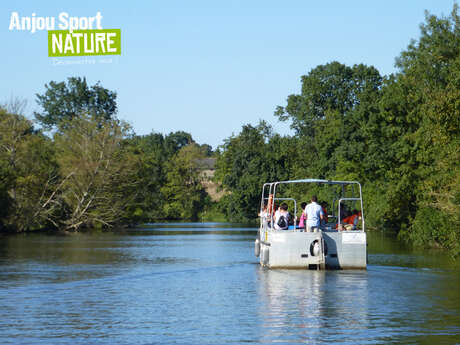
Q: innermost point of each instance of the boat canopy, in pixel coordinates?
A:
(312, 180)
(273, 186)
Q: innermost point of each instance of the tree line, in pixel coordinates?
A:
(397, 134)
(85, 168)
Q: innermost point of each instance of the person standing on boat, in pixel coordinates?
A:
(263, 214)
(302, 217)
(314, 213)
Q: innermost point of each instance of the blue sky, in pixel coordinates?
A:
(208, 67)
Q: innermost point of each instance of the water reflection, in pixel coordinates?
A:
(298, 306)
(385, 249)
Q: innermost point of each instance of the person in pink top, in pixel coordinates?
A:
(303, 218)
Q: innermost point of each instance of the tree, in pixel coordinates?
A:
(98, 172)
(155, 152)
(245, 162)
(28, 175)
(330, 117)
(15, 105)
(184, 192)
(63, 101)
(174, 141)
(333, 87)
(151, 176)
(430, 77)
(207, 149)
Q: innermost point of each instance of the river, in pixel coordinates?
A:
(200, 283)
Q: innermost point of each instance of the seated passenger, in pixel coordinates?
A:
(343, 211)
(263, 213)
(354, 218)
(351, 221)
(344, 220)
(281, 220)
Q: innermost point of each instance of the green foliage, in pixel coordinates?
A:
(333, 87)
(156, 154)
(173, 142)
(95, 172)
(433, 228)
(212, 213)
(183, 191)
(28, 174)
(431, 71)
(64, 101)
(151, 175)
(98, 173)
(247, 161)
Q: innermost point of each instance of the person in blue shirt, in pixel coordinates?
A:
(314, 213)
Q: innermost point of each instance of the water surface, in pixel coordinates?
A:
(199, 283)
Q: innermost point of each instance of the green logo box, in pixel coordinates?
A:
(84, 42)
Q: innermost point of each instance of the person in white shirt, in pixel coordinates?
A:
(282, 212)
(263, 214)
(314, 213)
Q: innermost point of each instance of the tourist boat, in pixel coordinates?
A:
(332, 246)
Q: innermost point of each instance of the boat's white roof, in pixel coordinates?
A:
(312, 180)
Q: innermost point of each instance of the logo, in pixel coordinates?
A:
(76, 36)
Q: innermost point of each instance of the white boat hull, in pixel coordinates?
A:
(295, 249)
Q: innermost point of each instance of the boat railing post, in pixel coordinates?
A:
(273, 206)
(262, 207)
(323, 257)
(270, 212)
(362, 208)
(338, 214)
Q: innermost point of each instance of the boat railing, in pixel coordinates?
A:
(272, 189)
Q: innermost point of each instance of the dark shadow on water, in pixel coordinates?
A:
(385, 249)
